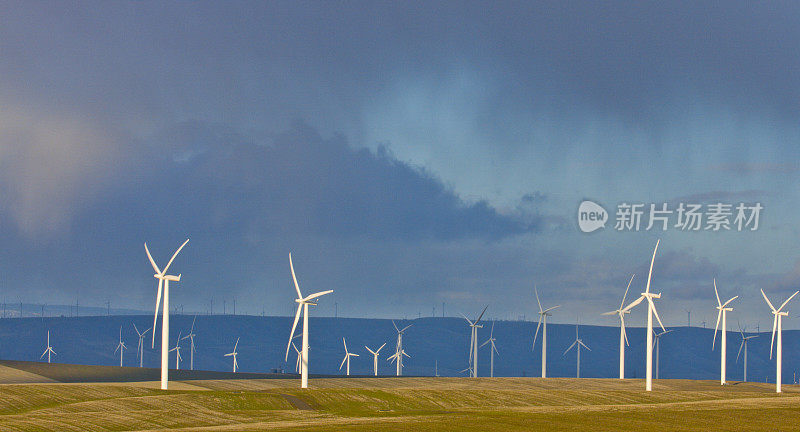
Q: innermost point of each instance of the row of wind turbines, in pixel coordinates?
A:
(303, 303)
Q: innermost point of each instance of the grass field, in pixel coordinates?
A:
(383, 404)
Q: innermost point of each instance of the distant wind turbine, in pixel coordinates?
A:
(473, 343)
(744, 345)
(347, 356)
(723, 313)
(302, 307)
(163, 284)
(375, 357)
(658, 354)
(177, 350)
(492, 350)
(234, 354)
(120, 346)
(543, 314)
(623, 336)
(397, 357)
(777, 327)
(297, 364)
(651, 310)
(191, 336)
(48, 350)
(140, 348)
(577, 344)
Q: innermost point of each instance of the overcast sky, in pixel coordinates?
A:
(407, 154)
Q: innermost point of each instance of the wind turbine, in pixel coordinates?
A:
(473, 343)
(48, 350)
(140, 348)
(658, 354)
(297, 364)
(163, 283)
(651, 310)
(723, 312)
(623, 336)
(302, 306)
(399, 352)
(744, 345)
(492, 350)
(191, 336)
(375, 357)
(347, 356)
(234, 354)
(177, 350)
(777, 326)
(578, 343)
(543, 314)
(120, 346)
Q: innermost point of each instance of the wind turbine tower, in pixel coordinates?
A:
(473, 343)
(492, 350)
(375, 357)
(744, 345)
(577, 344)
(347, 356)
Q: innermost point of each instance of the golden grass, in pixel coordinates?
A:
(419, 404)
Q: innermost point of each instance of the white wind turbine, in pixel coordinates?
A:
(399, 352)
(297, 363)
(375, 357)
(302, 307)
(623, 336)
(234, 354)
(347, 356)
(48, 350)
(120, 346)
(578, 344)
(140, 348)
(163, 284)
(473, 343)
(744, 345)
(723, 312)
(543, 314)
(492, 350)
(651, 310)
(658, 353)
(177, 350)
(191, 336)
(777, 326)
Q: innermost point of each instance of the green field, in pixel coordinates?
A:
(382, 404)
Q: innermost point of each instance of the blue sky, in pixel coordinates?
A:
(408, 154)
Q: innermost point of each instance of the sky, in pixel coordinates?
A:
(412, 156)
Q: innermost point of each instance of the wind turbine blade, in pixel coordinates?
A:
(728, 302)
(155, 316)
(481, 315)
(236, 345)
(483, 344)
(768, 302)
(405, 354)
(719, 315)
(655, 312)
(193, 320)
(319, 294)
(150, 257)
(624, 332)
(464, 316)
(537, 298)
(787, 300)
(740, 350)
(343, 361)
(174, 255)
(345, 345)
(716, 293)
(294, 278)
(584, 345)
(491, 333)
(633, 304)
(551, 308)
(626, 291)
(406, 328)
(137, 330)
(354, 355)
(650, 274)
(373, 352)
(379, 349)
(395, 326)
(570, 347)
(45, 352)
(294, 326)
(610, 313)
(772, 340)
(537, 333)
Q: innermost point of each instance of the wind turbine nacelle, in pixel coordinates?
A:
(173, 278)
